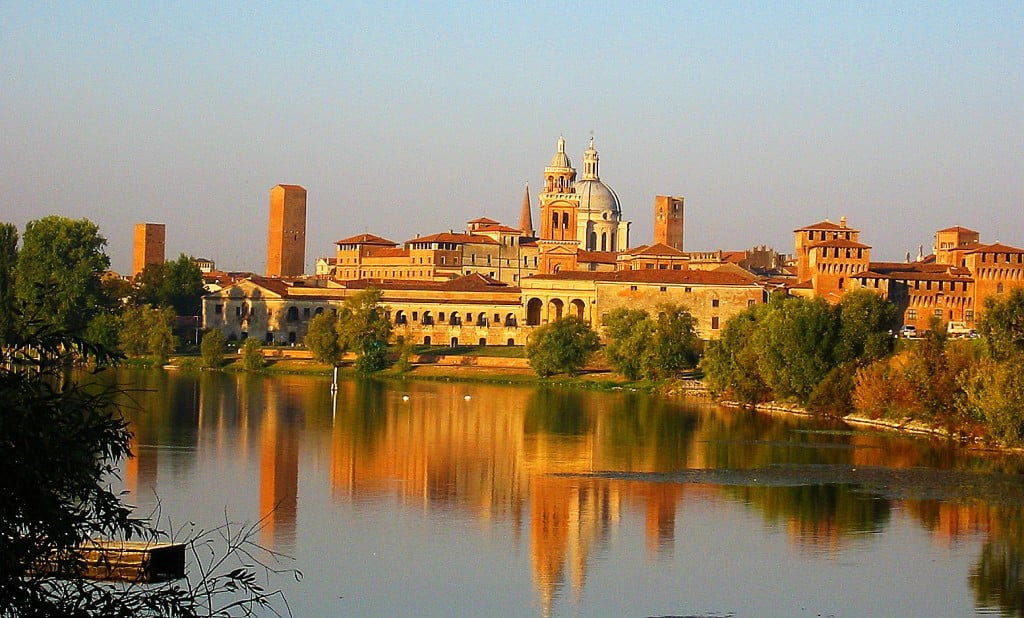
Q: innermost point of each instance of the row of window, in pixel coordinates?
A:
(454, 318)
(938, 312)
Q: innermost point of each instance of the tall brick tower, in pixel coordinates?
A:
(149, 246)
(668, 221)
(286, 243)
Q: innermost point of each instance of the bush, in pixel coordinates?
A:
(212, 349)
(562, 346)
(252, 355)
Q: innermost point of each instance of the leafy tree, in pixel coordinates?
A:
(730, 363)
(866, 324)
(177, 284)
(60, 441)
(676, 345)
(105, 330)
(322, 339)
(148, 331)
(252, 355)
(8, 261)
(795, 345)
(629, 333)
(993, 393)
(57, 277)
(364, 328)
(212, 349)
(562, 346)
(1002, 324)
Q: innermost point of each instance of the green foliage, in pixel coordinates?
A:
(177, 284)
(322, 339)
(252, 355)
(642, 346)
(1002, 324)
(364, 328)
(866, 324)
(148, 331)
(993, 393)
(57, 277)
(794, 345)
(730, 363)
(8, 261)
(104, 330)
(562, 346)
(212, 349)
(629, 333)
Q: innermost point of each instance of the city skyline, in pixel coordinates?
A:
(408, 120)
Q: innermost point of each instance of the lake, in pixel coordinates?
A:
(427, 498)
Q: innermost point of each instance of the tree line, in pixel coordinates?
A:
(58, 279)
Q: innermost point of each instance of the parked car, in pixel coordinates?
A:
(908, 331)
(958, 329)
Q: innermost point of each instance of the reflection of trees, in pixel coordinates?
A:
(997, 578)
(646, 433)
(557, 411)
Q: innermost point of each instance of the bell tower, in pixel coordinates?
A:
(668, 221)
(558, 203)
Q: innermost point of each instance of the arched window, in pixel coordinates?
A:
(604, 241)
(565, 220)
(293, 314)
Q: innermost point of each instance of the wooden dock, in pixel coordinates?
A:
(130, 561)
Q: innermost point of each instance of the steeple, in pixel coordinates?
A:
(525, 216)
(590, 162)
(559, 175)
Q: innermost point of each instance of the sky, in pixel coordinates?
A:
(414, 118)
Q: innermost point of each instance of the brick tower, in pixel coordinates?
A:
(286, 243)
(668, 221)
(149, 246)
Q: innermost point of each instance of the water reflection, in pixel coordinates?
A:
(562, 468)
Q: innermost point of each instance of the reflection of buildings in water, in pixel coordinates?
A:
(279, 465)
(140, 470)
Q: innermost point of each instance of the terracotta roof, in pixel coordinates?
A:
(454, 237)
(957, 228)
(292, 187)
(365, 239)
(841, 243)
(466, 283)
(497, 227)
(996, 247)
(601, 257)
(734, 257)
(278, 286)
(387, 252)
(485, 220)
(825, 225)
(656, 249)
(654, 275)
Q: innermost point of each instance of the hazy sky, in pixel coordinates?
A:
(417, 117)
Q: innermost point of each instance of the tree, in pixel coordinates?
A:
(57, 277)
(364, 328)
(866, 325)
(730, 363)
(794, 345)
(212, 349)
(252, 355)
(177, 284)
(676, 345)
(148, 331)
(60, 441)
(8, 261)
(628, 333)
(1002, 325)
(562, 346)
(322, 339)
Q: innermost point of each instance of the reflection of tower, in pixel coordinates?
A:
(140, 470)
(286, 243)
(668, 221)
(661, 517)
(279, 475)
(149, 247)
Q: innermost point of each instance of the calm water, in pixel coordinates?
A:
(440, 499)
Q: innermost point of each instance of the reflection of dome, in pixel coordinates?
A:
(596, 196)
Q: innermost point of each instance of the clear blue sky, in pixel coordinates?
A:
(414, 118)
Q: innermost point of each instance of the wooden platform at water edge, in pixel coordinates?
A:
(130, 561)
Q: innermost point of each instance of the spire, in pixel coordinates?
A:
(590, 162)
(525, 216)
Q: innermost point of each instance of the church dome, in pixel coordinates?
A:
(595, 196)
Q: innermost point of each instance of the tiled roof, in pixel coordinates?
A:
(841, 243)
(653, 275)
(957, 228)
(455, 238)
(365, 239)
(601, 257)
(996, 247)
(658, 249)
(825, 225)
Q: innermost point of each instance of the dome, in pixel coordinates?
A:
(595, 196)
(560, 159)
